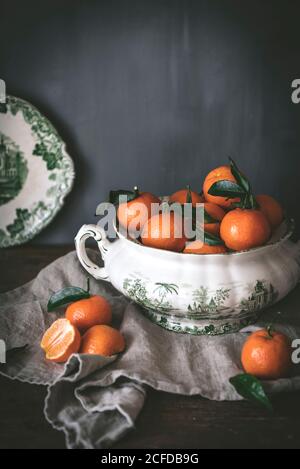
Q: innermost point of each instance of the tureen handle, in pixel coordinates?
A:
(98, 233)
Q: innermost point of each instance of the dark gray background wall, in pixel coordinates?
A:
(156, 93)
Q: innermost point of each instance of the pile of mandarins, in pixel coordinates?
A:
(84, 329)
(234, 219)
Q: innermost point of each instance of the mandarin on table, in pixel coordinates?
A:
(182, 195)
(137, 211)
(218, 174)
(267, 355)
(243, 229)
(60, 341)
(89, 312)
(164, 231)
(102, 340)
(271, 209)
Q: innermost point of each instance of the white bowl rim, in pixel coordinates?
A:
(289, 231)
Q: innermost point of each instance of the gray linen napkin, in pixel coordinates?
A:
(96, 400)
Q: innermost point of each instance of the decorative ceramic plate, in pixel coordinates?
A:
(36, 173)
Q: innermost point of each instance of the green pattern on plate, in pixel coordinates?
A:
(13, 169)
(48, 145)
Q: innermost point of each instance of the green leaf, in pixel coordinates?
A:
(247, 201)
(67, 295)
(212, 240)
(240, 178)
(227, 189)
(189, 198)
(209, 219)
(208, 238)
(253, 202)
(250, 388)
(3, 108)
(115, 195)
(206, 217)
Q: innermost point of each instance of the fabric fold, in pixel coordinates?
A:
(96, 400)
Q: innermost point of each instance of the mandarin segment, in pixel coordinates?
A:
(60, 341)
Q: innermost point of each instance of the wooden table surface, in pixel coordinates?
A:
(167, 421)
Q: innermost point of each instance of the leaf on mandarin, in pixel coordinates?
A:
(240, 178)
(114, 196)
(212, 240)
(65, 296)
(225, 188)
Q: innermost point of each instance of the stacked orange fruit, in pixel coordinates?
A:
(84, 329)
(234, 219)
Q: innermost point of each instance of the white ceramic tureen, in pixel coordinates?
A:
(198, 294)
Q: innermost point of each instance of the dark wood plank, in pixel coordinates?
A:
(171, 421)
(21, 264)
(21, 414)
(167, 421)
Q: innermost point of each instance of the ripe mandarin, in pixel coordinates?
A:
(243, 229)
(271, 209)
(181, 197)
(164, 231)
(135, 213)
(89, 312)
(102, 340)
(218, 174)
(267, 355)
